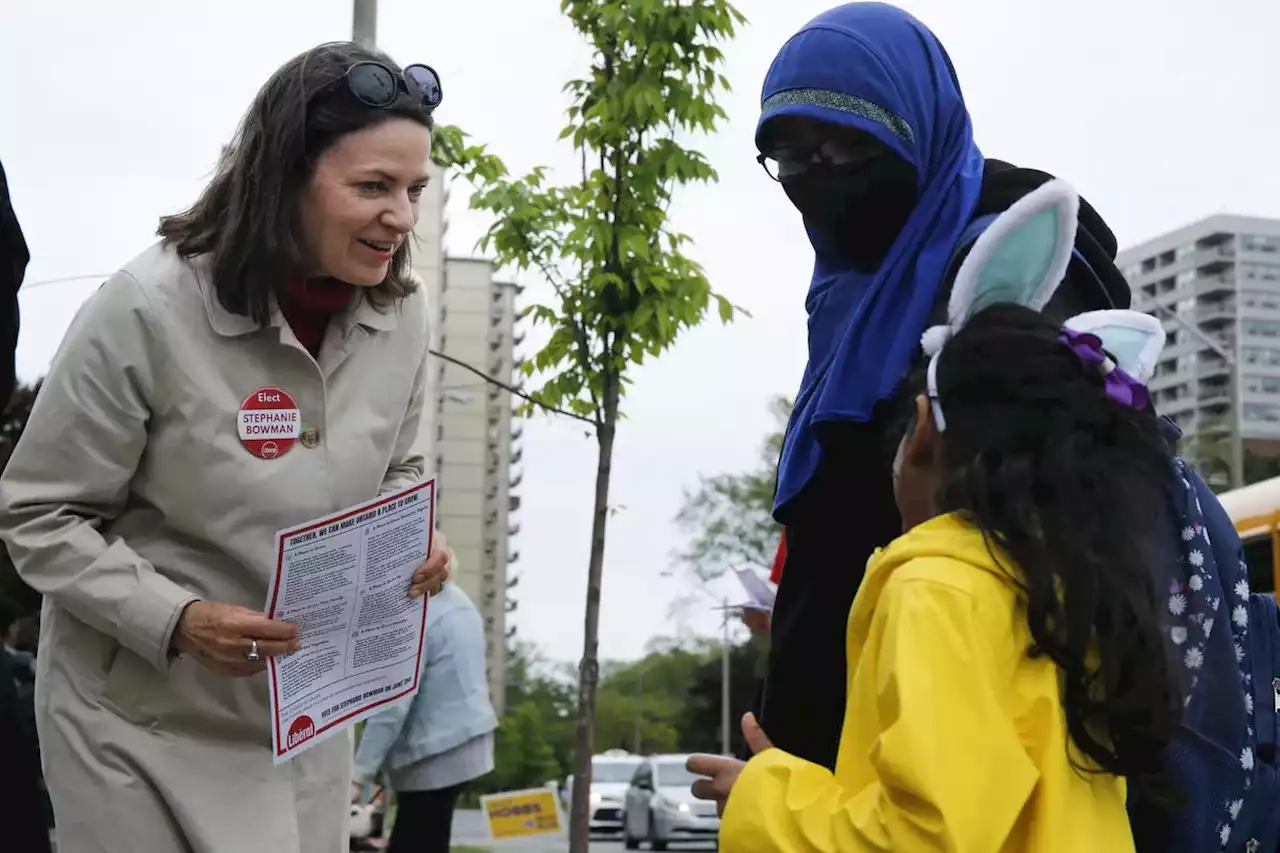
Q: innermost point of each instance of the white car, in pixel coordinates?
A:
(611, 773)
(661, 809)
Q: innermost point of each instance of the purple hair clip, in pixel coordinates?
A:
(1119, 386)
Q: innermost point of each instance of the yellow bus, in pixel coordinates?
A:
(1255, 511)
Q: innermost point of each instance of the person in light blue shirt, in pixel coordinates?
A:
(430, 747)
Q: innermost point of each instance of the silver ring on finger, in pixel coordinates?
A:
(253, 655)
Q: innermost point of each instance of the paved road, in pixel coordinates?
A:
(468, 829)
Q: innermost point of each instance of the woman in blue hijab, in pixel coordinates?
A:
(864, 126)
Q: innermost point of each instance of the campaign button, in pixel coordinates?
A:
(268, 423)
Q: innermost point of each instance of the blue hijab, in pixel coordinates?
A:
(873, 67)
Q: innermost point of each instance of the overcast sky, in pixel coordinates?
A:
(113, 113)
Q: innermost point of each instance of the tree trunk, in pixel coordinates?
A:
(589, 669)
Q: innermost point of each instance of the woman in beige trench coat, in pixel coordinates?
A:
(133, 505)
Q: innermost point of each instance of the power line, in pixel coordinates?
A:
(509, 388)
(32, 285)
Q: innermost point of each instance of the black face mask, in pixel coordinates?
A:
(859, 209)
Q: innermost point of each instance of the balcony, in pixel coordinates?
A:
(1215, 314)
(513, 531)
(1206, 285)
(1216, 425)
(1211, 365)
(1216, 403)
(1214, 258)
(1214, 393)
(513, 557)
(513, 503)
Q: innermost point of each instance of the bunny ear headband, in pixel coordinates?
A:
(1021, 259)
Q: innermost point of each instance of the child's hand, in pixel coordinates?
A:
(754, 735)
(723, 771)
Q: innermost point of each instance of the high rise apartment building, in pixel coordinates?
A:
(1216, 285)
(466, 431)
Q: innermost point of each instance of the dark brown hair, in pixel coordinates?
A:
(247, 217)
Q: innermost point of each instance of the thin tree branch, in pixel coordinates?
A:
(579, 329)
(510, 388)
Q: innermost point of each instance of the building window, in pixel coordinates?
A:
(1259, 243)
(1260, 272)
(1260, 299)
(1262, 413)
(1262, 385)
(1261, 328)
(1261, 355)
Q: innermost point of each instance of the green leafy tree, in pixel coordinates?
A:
(623, 287)
(702, 705)
(534, 680)
(523, 757)
(729, 517)
(1259, 467)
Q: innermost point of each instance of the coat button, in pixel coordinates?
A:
(310, 438)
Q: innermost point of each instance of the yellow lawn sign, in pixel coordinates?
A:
(521, 814)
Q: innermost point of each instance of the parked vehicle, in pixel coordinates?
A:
(661, 809)
(611, 773)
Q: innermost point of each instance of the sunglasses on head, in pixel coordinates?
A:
(377, 85)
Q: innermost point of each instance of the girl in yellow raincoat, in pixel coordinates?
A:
(1007, 670)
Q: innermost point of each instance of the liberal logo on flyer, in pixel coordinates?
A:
(301, 731)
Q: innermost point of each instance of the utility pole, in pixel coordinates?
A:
(364, 23)
(724, 682)
(1233, 368)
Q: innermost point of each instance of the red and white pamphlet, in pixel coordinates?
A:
(345, 580)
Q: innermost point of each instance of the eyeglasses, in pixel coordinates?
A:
(784, 164)
(376, 85)
(781, 168)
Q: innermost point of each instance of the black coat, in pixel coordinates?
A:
(847, 510)
(14, 257)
